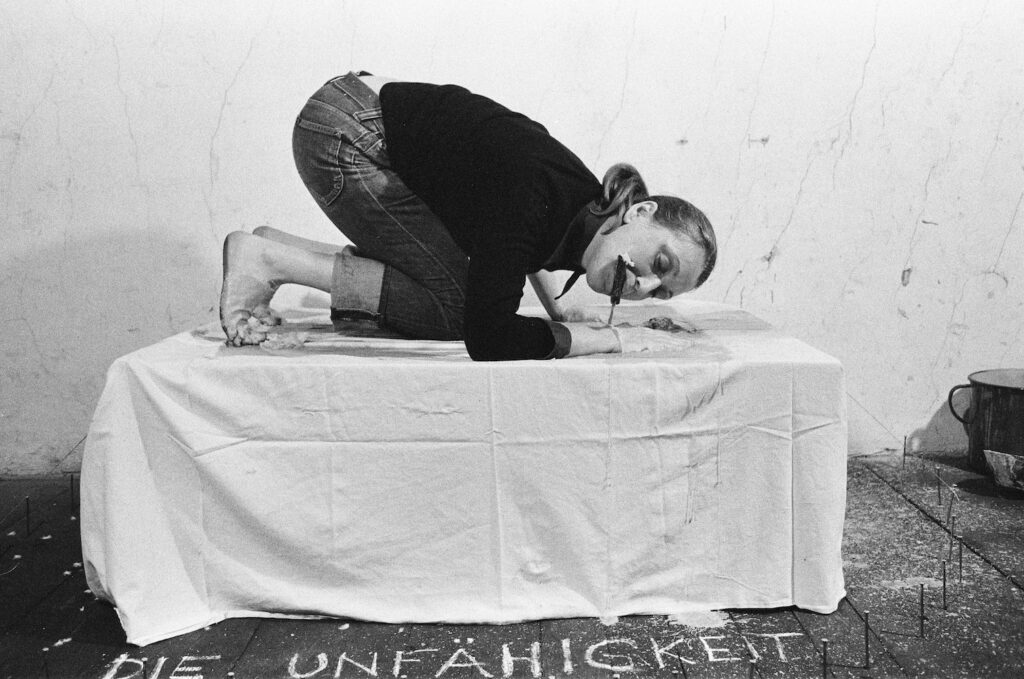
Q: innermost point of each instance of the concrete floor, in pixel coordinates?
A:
(907, 521)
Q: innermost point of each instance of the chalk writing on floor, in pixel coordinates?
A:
(188, 667)
(618, 654)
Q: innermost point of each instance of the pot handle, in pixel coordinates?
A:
(949, 399)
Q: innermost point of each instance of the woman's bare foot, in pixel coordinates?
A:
(247, 288)
(295, 241)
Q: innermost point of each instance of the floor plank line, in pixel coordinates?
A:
(945, 527)
(876, 634)
(895, 537)
(245, 649)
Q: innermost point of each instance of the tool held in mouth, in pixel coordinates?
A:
(617, 284)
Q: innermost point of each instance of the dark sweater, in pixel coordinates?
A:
(505, 190)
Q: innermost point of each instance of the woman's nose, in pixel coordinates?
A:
(645, 285)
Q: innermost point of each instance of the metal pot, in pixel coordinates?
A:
(995, 418)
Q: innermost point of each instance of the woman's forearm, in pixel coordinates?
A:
(600, 338)
(545, 284)
(592, 338)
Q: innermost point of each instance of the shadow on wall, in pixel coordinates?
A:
(943, 431)
(74, 307)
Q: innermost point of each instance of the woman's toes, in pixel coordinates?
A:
(266, 315)
(246, 288)
(246, 330)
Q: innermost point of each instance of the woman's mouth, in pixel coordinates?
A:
(609, 278)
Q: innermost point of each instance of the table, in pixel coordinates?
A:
(394, 480)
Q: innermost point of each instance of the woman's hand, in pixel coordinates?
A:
(634, 340)
(594, 338)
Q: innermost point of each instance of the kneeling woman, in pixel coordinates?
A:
(452, 201)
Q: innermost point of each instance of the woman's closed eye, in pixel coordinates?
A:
(661, 265)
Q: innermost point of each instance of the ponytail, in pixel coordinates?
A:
(621, 187)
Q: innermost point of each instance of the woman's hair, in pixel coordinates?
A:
(622, 187)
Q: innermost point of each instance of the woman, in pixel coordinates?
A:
(452, 201)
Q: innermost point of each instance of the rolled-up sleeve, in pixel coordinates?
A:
(563, 340)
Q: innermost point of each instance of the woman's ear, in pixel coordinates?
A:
(645, 208)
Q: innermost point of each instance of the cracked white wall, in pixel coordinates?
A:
(863, 166)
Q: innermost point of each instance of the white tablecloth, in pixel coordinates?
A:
(399, 481)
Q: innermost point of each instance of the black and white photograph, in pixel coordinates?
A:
(583, 339)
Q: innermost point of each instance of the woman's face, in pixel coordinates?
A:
(664, 264)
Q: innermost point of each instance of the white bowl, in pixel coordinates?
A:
(1007, 469)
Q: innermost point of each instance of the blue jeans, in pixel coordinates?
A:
(341, 154)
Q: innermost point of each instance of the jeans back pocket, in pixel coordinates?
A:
(317, 150)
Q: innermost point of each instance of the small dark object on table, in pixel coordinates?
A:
(667, 324)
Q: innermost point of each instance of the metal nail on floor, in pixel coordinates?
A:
(934, 552)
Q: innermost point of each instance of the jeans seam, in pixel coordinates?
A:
(376, 135)
(450, 275)
(386, 319)
(334, 83)
(370, 111)
(337, 175)
(332, 107)
(319, 128)
(369, 114)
